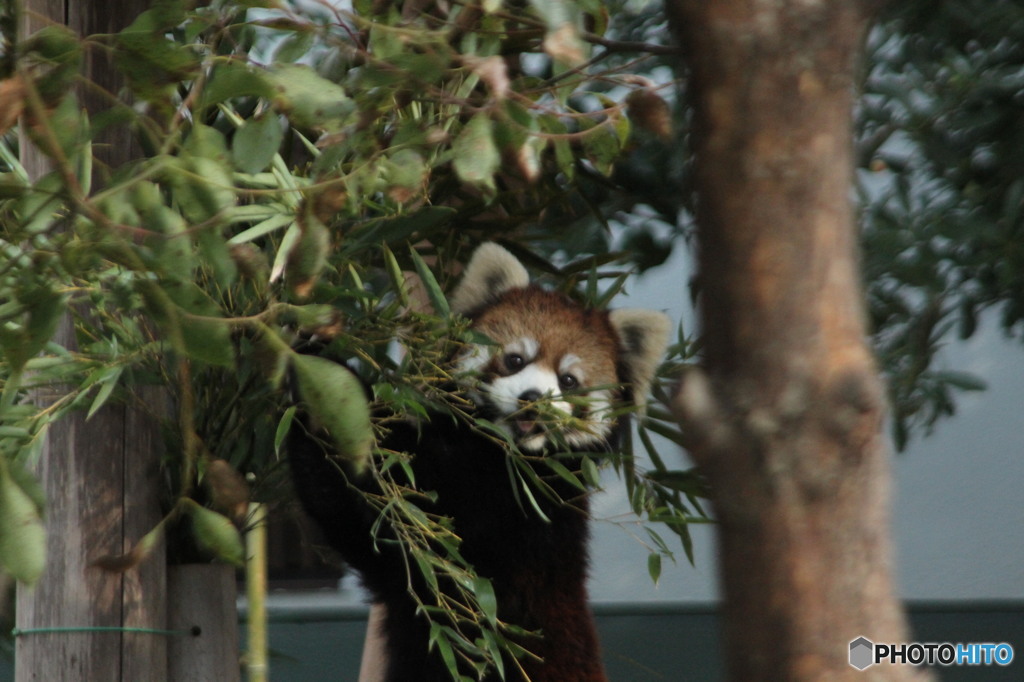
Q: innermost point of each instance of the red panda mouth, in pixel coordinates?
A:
(527, 427)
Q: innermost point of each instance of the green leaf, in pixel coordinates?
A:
(476, 156)
(293, 47)
(153, 64)
(391, 230)
(59, 48)
(334, 397)
(485, 597)
(216, 534)
(962, 380)
(202, 187)
(233, 79)
(602, 146)
(173, 250)
(564, 473)
(267, 226)
(45, 310)
(309, 99)
(404, 173)
(107, 385)
(200, 335)
(654, 566)
(591, 474)
(308, 256)
(433, 289)
(22, 534)
(256, 143)
(217, 255)
(439, 637)
(283, 426)
(208, 340)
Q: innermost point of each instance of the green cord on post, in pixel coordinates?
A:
(195, 632)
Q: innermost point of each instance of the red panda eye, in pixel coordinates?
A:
(514, 362)
(567, 382)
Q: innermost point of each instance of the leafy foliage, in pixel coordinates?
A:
(942, 192)
(303, 175)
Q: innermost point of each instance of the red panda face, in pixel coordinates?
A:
(550, 375)
(553, 372)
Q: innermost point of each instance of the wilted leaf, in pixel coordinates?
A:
(493, 71)
(119, 563)
(650, 112)
(228, 489)
(562, 41)
(563, 44)
(12, 102)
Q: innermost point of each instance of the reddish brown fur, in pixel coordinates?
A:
(560, 325)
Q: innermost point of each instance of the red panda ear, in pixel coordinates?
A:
(643, 338)
(491, 272)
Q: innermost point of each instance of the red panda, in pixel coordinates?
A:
(553, 376)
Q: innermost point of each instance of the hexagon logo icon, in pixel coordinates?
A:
(862, 652)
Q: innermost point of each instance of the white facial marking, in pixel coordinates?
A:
(472, 358)
(561, 422)
(505, 391)
(525, 347)
(569, 362)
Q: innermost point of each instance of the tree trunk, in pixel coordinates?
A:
(101, 476)
(785, 413)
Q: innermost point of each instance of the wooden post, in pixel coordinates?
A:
(202, 603)
(100, 477)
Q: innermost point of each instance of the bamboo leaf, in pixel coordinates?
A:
(654, 566)
(283, 426)
(433, 289)
(476, 155)
(256, 143)
(215, 533)
(486, 599)
(22, 534)
(310, 99)
(334, 397)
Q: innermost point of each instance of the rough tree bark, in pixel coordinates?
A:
(785, 412)
(101, 476)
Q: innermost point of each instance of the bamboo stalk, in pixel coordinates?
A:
(257, 667)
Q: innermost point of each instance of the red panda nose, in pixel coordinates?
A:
(531, 396)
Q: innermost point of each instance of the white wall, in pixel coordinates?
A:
(958, 513)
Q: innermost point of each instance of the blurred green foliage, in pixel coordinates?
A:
(312, 172)
(307, 173)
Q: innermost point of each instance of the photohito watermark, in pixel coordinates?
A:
(865, 653)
